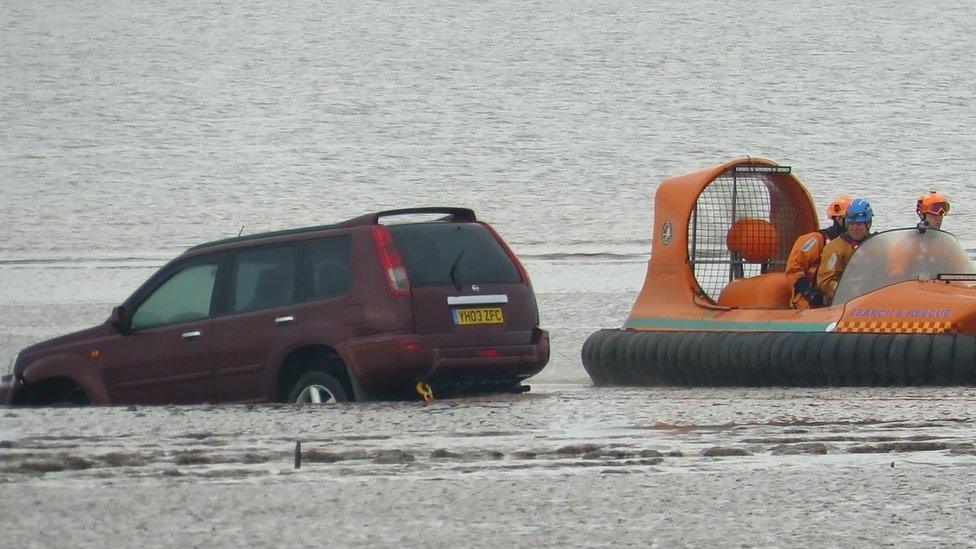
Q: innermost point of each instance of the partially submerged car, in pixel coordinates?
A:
(360, 310)
(715, 305)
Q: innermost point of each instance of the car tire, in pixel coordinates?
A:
(62, 395)
(317, 387)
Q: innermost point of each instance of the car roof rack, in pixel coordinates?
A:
(452, 215)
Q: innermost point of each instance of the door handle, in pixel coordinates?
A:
(284, 320)
(195, 334)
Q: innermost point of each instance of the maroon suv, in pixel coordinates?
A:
(354, 311)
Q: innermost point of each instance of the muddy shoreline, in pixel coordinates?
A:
(565, 464)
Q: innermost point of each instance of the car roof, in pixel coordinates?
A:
(451, 215)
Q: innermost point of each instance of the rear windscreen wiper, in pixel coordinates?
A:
(454, 265)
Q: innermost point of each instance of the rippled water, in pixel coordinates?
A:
(131, 130)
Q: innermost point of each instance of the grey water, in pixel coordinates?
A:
(132, 130)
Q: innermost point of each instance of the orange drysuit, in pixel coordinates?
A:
(834, 258)
(802, 264)
(911, 256)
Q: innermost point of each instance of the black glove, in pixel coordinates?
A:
(813, 296)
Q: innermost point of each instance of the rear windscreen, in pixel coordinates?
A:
(442, 254)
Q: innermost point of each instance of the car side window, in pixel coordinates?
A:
(183, 297)
(327, 267)
(264, 278)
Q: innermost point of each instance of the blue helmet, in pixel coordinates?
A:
(859, 211)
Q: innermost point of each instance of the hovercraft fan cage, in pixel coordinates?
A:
(743, 224)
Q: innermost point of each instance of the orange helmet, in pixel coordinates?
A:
(932, 203)
(838, 207)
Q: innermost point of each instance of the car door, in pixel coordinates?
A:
(164, 355)
(259, 320)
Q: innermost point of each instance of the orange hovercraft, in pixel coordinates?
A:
(715, 305)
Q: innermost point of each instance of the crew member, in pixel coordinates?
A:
(931, 208)
(913, 255)
(804, 258)
(838, 251)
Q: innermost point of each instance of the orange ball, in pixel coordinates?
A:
(754, 239)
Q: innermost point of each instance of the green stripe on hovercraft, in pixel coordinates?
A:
(718, 325)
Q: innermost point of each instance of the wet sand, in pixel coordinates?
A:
(565, 464)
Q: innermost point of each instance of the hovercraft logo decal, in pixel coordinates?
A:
(666, 233)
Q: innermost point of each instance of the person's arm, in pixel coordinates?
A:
(801, 267)
(804, 254)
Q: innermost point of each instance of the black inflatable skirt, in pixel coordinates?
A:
(803, 359)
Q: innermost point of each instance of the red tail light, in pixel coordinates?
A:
(391, 262)
(523, 274)
(488, 353)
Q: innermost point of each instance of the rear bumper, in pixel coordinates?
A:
(391, 364)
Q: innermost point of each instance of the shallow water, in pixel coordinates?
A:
(133, 130)
(557, 428)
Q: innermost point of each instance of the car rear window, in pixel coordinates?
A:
(431, 251)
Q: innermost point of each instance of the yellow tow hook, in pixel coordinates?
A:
(424, 391)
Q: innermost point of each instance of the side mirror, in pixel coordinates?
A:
(118, 319)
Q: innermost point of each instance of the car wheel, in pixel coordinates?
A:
(58, 394)
(317, 388)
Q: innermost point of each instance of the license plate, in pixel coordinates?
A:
(483, 315)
